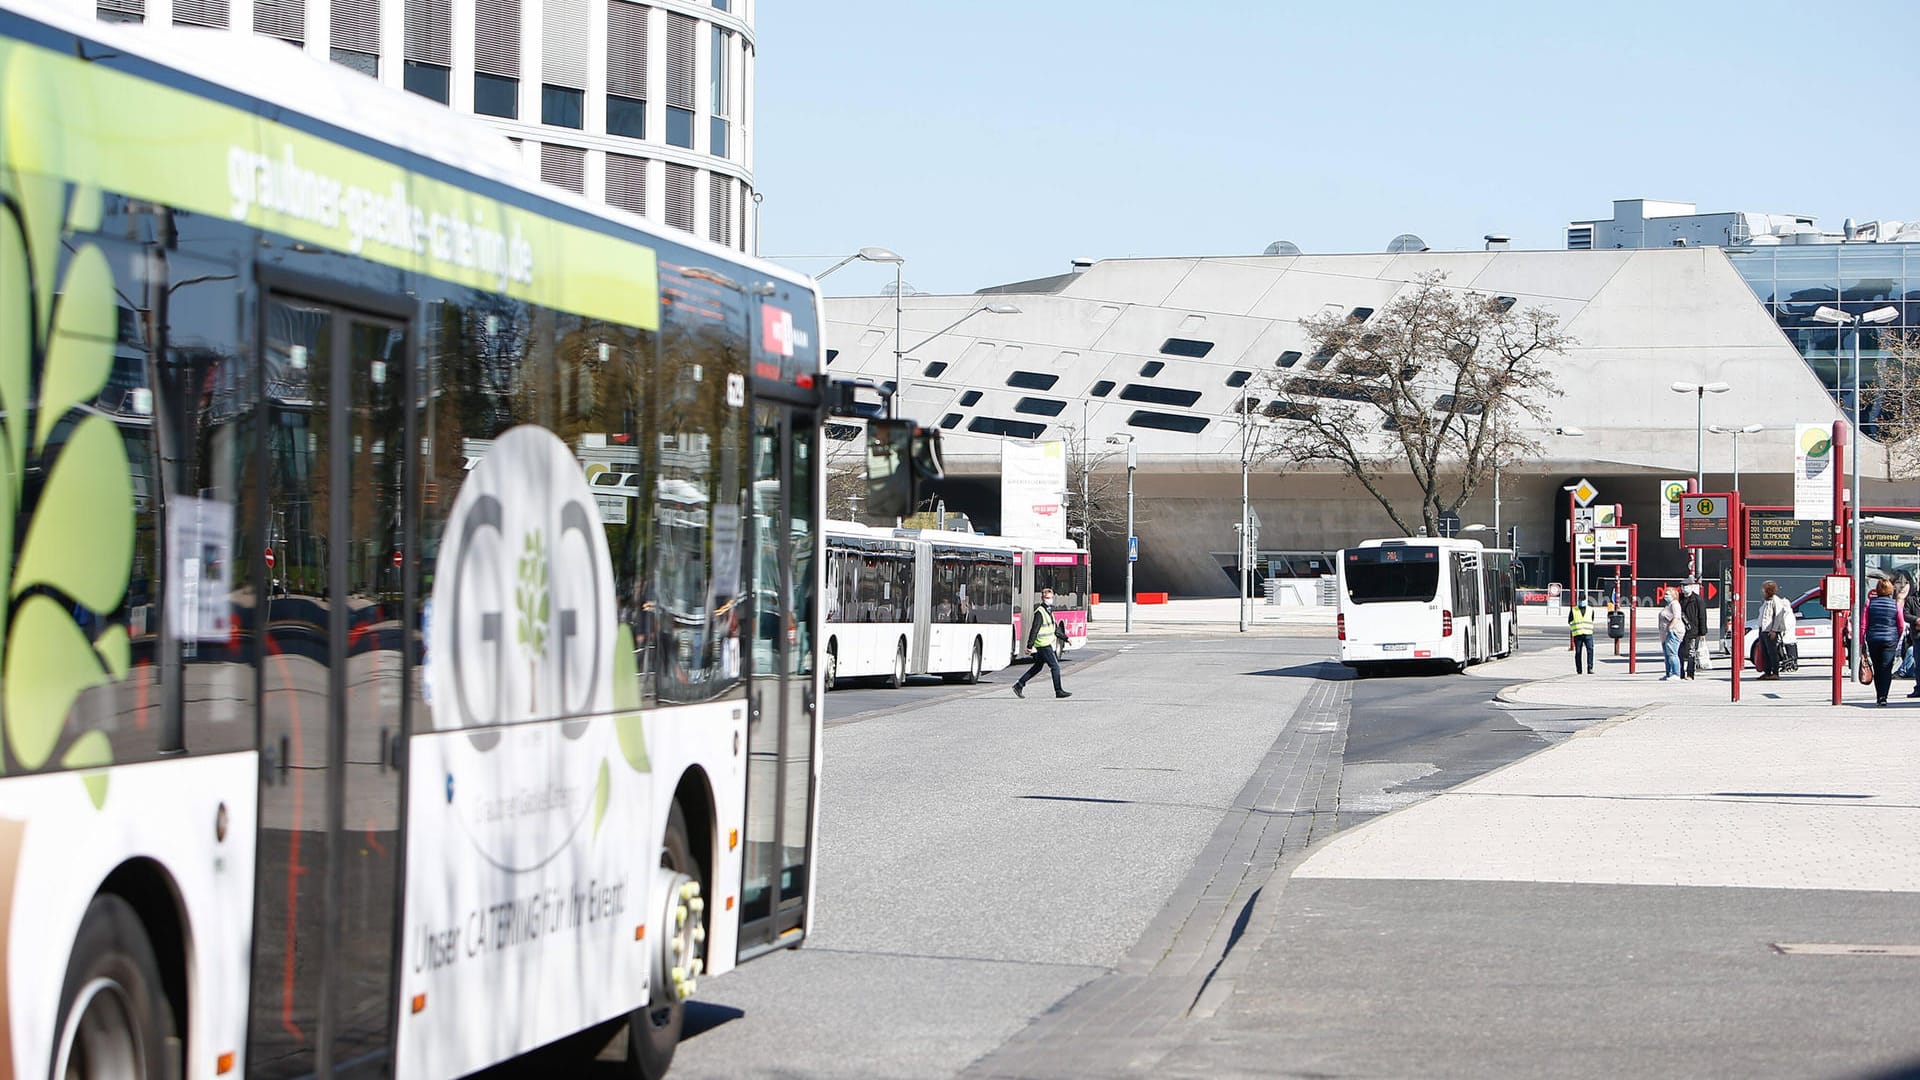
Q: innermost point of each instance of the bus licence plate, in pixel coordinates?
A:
(1396, 646)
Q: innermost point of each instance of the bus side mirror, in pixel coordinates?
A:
(903, 458)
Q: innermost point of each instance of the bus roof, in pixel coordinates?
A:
(276, 73)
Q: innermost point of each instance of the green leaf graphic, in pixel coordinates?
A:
(628, 724)
(600, 791)
(81, 539)
(80, 352)
(50, 663)
(91, 751)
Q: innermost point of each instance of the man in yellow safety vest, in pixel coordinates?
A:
(1041, 636)
(1580, 626)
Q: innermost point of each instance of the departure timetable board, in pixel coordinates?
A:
(1776, 532)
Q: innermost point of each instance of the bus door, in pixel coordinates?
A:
(780, 726)
(332, 690)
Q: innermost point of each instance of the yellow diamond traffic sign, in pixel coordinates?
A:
(1584, 492)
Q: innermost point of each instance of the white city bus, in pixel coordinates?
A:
(963, 601)
(1424, 601)
(872, 626)
(348, 725)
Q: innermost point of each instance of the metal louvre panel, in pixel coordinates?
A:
(680, 59)
(564, 166)
(124, 7)
(200, 13)
(746, 201)
(356, 25)
(627, 183)
(284, 19)
(720, 208)
(496, 37)
(627, 49)
(429, 31)
(680, 179)
(563, 36)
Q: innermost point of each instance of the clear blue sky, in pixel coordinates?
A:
(990, 141)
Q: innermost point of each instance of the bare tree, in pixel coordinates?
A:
(1896, 402)
(1097, 492)
(1438, 386)
(846, 465)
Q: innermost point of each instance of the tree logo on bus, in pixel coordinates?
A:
(523, 543)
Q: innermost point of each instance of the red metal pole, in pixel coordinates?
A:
(1840, 540)
(1737, 548)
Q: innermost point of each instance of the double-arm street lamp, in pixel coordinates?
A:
(1836, 317)
(1699, 392)
(1248, 551)
(1132, 462)
(882, 255)
(1736, 432)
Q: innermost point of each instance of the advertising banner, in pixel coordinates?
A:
(1033, 486)
(1812, 478)
(1670, 492)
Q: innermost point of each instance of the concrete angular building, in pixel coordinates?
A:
(1165, 350)
(643, 106)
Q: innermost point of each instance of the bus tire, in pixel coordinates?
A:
(115, 1019)
(974, 666)
(897, 678)
(831, 673)
(653, 1033)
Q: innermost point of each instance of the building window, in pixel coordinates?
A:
(1159, 395)
(626, 116)
(1102, 388)
(1032, 380)
(1287, 359)
(562, 107)
(680, 127)
(722, 5)
(720, 209)
(970, 398)
(564, 166)
(1244, 404)
(1039, 406)
(1191, 425)
(122, 11)
(627, 183)
(1151, 368)
(1320, 360)
(496, 95)
(287, 20)
(201, 13)
(680, 181)
(717, 68)
(1504, 303)
(935, 369)
(1179, 346)
(1013, 429)
(1290, 410)
(832, 355)
(428, 80)
(1239, 378)
(717, 136)
(950, 421)
(365, 63)
(1360, 314)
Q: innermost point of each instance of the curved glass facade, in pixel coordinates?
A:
(1794, 280)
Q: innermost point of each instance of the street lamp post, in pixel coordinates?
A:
(1132, 462)
(882, 255)
(1736, 433)
(1836, 317)
(1245, 560)
(1699, 392)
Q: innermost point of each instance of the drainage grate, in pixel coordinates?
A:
(1815, 948)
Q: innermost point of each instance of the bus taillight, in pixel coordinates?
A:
(1340, 624)
(1446, 624)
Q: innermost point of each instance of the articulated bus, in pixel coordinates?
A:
(1425, 601)
(903, 602)
(1064, 567)
(354, 721)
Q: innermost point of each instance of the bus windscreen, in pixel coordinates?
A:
(1388, 575)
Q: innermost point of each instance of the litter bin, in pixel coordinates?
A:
(1616, 624)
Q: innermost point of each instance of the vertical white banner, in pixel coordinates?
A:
(1670, 492)
(1813, 471)
(1033, 481)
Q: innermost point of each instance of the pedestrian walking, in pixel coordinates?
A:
(1909, 599)
(1580, 629)
(1881, 630)
(1043, 632)
(1772, 621)
(1673, 632)
(1695, 611)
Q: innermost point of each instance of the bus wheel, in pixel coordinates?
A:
(653, 1033)
(115, 1019)
(899, 677)
(973, 668)
(832, 667)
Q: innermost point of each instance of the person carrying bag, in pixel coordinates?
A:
(1772, 623)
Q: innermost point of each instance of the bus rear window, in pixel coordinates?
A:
(1377, 581)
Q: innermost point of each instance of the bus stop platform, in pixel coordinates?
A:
(1545, 677)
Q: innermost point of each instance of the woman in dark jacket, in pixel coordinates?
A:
(1882, 635)
(1695, 611)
